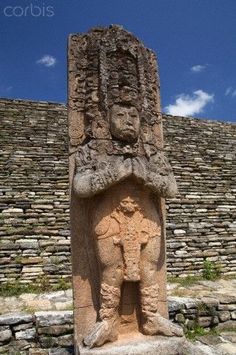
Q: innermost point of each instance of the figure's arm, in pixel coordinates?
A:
(156, 174)
(163, 185)
(92, 179)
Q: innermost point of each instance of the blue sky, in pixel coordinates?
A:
(195, 41)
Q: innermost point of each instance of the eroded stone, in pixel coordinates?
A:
(119, 176)
(15, 318)
(45, 319)
(5, 334)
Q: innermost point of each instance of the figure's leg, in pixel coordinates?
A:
(111, 261)
(153, 322)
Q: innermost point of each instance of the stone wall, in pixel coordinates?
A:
(34, 228)
(34, 208)
(51, 332)
(202, 219)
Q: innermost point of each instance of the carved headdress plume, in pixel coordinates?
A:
(112, 67)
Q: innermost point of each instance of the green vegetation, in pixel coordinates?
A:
(55, 260)
(18, 259)
(62, 284)
(178, 293)
(185, 281)
(211, 271)
(49, 341)
(197, 331)
(205, 308)
(41, 285)
(194, 332)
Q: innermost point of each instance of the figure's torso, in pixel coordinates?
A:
(127, 214)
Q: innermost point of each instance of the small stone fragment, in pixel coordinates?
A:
(5, 333)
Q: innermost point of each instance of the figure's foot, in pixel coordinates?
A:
(156, 324)
(101, 333)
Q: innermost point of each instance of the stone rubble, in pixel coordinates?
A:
(51, 332)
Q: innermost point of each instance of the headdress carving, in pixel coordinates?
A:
(108, 70)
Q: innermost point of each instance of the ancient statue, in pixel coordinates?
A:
(119, 177)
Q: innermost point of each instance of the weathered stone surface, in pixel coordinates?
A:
(209, 175)
(227, 348)
(62, 341)
(42, 304)
(15, 318)
(229, 336)
(177, 303)
(210, 339)
(37, 302)
(38, 352)
(45, 319)
(28, 334)
(205, 321)
(19, 346)
(56, 329)
(60, 351)
(5, 333)
(180, 318)
(227, 299)
(22, 326)
(5, 350)
(28, 243)
(32, 260)
(150, 346)
(233, 315)
(12, 210)
(34, 192)
(119, 179)
(224, 315)
(210, 301)
(190, 316)
(228, 325)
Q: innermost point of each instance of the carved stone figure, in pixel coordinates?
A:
(119, 177)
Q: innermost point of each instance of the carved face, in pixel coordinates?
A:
(128, 205)
(125, 122)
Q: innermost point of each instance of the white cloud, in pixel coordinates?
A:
(5, 89)
(228, 91)
(198, 68)
(47, 60)
(188, 105)
(234, 93)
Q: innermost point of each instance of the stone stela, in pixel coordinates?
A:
(119, 177)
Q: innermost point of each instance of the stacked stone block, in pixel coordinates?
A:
(34, 231)
(51, 332)
(34, 196)
(202, 219)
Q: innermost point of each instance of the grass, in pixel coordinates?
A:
(185, 281)
(30, 310)
(211, 271)
(178, 293)
(195, 332)
(39, 286)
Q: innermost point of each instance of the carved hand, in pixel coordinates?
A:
(139, 168)
(123, 169)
